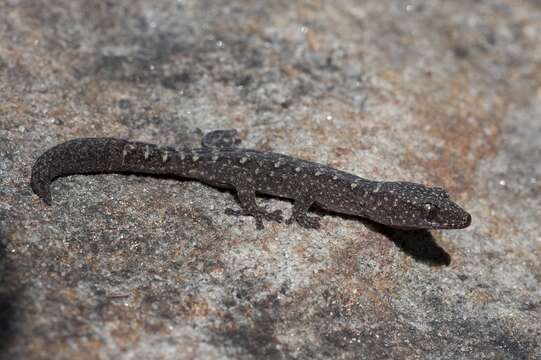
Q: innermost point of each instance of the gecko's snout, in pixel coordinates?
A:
(461, 218)
(453, 216)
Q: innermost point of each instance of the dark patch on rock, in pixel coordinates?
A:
(124, 104)
(461, 52)
(177, 81)
(250, 324)
(10, 293)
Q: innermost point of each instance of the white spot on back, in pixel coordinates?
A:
(165, 156)
(243, 160)
(353, 185)
(297, 169)
(378, 186)
(147, 152)
(125, 153)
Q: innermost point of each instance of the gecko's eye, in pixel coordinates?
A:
(430, 211)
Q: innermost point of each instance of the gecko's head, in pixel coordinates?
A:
(421, 207)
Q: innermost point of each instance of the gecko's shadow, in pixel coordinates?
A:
(419, 244)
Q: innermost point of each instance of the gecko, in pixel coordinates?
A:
(220, 162)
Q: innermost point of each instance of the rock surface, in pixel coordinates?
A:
(128, 267)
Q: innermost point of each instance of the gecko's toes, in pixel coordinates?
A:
(240, 212)
(233, 212)
(271, 216)
(309, 222)
(259, 215)
(274, 216)
(259, 223)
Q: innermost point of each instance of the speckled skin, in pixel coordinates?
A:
(220, 163)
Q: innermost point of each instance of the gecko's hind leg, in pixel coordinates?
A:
(300, 214)
(246, 196)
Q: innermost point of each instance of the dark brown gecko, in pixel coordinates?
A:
(220, 163)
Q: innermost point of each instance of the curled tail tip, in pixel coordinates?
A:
(41, 189)
(47, 199)
(44, 195)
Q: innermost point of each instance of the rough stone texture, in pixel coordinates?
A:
(445, 93)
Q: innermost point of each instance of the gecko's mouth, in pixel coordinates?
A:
(458, 223)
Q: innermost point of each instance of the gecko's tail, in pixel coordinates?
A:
(79, 156)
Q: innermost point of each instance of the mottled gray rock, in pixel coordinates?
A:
(443, 93)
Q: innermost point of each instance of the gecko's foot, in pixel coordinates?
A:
(259, 215)
(308, 222)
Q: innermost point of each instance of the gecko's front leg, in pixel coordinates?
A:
(300, 214)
